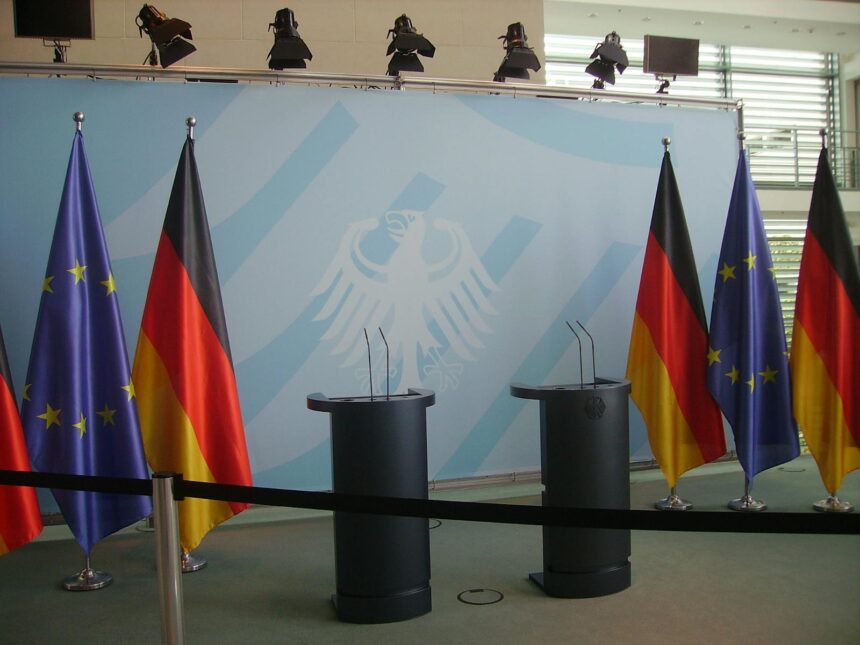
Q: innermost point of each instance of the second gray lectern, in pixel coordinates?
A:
(585, 463)
(382, 562)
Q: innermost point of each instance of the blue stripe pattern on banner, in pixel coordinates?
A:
(595, 138)
(508, 246)
(481, 440)
(237, 237)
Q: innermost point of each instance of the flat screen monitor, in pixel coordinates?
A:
(671, 56)
(54, 19)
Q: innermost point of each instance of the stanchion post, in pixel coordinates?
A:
(167, 556)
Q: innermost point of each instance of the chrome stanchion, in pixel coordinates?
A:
(747, 502)
(166, 549)
(672, 502)
(88, 579)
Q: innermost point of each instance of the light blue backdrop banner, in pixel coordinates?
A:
(468, 227)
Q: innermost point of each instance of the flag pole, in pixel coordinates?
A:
(747, 502)
(191, 563)
(87, 579)
(741, 133)
(672, 502)
(832, 504)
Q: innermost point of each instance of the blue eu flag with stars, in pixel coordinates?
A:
(747, 362)
(79, 412)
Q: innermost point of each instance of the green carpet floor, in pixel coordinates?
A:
(270, 577)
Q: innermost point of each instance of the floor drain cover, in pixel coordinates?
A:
(480, 596)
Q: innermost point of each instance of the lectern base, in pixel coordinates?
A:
(387, 609)
(583, 585)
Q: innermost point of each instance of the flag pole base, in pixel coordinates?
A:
(192, 563)
(673, 503)
(748, 504)
(832, 504)
(87, 580)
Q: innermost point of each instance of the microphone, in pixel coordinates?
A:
(387, 369)
(581, 383)
(369, 366)
(593, 358)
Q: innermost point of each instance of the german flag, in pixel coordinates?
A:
(20, 520)
(667, 361)
(825, 353)
(183, 370)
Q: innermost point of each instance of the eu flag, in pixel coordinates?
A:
(747, 363)
(79, 412)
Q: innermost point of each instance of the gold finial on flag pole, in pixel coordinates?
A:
(823, 134)
(191, 122)
(79, 119)
(666, 142)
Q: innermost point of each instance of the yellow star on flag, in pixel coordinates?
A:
(769, 375)
(734, 374)
(81, 425)
(46, 283)
(728, 272)
(77, 271)
(26, 394)
(750, 260)
(713, 356)
(51, 416)
(109, 284)
(772, 270)
(751, 383)
(107, 415)
(130, 389)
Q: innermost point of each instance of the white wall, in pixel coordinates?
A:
(345, 36)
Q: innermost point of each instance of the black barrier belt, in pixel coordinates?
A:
(125, 485)
(646, 520)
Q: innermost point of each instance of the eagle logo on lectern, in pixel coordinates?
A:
(423, 307)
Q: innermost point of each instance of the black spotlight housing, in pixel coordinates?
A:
(609, 56)
(289, 50)
(406, 45)
(169, 36)
(519, 57)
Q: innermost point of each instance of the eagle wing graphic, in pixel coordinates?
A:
(365, 301)
(457, 298)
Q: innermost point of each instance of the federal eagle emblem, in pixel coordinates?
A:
(424, 306)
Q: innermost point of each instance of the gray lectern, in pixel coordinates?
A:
(379, 447)
(584, 463)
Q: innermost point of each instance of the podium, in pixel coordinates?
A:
(584, 463)
(382, 562)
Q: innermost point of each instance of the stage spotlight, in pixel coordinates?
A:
(519, 57)
(609, 55)
(289, 49)
(167, 34)
(406, 45)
